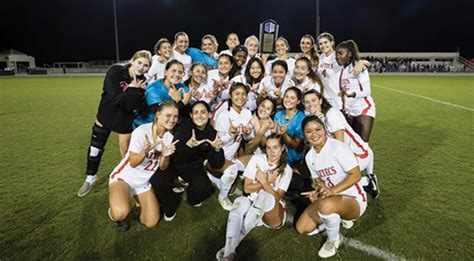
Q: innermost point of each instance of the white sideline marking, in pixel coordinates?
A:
(424, 97)
(371, 250)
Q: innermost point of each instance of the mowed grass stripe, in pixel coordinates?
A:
(423, 159)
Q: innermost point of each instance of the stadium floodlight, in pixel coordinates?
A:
(317, 19)
(117, 56)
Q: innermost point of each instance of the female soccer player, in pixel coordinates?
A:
(163, 55)
(304, 76)
(329, 70)
(263, 126)
(275, 85)
(208, 53)
(168, 89)
(232, 41)
(123, 94)
(180, 45)
(288, 123)
(266, 179)
(197, 82)
(150, 148)
(252, 43)
(199, 143)
(254, 73)
(309, 50)
(338, 128)
(357, 102)
(233, 126)
(239, 54)
(282, 48)
(338, 194)
(218, 83)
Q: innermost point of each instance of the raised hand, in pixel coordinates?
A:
(233, 130)
(247, 129)
(186, 95)
(261, 176)
(277, 93)
(197, 94)
(148, 146)
(216, 143)
(174, 94)
(168, 150)
(193, 142)
(281, 128)
(137, 83)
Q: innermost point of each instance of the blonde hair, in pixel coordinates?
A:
(285, 41)
(213, 40)
(252, 37)
(142, 54)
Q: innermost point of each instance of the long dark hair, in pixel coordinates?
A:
(249, 78)
(283, 160)
(235, 68)
(270, 100)
(351, 46)
(188, 81)
(298, 95)
(312, 74)
(234, 87)
(314, 50)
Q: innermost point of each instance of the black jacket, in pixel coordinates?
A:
(118, 103)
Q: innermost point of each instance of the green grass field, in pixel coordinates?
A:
(423, 157)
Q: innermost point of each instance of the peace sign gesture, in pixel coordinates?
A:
(193, 142)
(147, 146)
(233, 130)
(169, 149)
(281, 128)
(137, 83)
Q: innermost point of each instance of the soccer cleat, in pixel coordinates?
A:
(197, 205)
(220, 255)
(330, 247)
(372, 187)
(86, 187)
(180, 186)
(168, 219)
(225, 203)
(123, 225)
(320, 229)
(347, 224)
(178, 189)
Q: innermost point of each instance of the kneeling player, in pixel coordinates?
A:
(340, 196)
(150, 148)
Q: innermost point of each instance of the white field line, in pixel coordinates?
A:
(424, 97)
(371, 250)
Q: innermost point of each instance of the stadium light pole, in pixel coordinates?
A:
(117, 56)
(317, 19)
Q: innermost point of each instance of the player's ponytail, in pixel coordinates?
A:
(351, 47)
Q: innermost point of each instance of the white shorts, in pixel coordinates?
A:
(136, 187)
(283, 205)
(367, 111)
(358, 193)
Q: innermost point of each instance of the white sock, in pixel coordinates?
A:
(227, 179)
(319, 228)
(91, 178)
(234, 224)
(216, 181)
(263, 203)
(332, 222)
(364, 181)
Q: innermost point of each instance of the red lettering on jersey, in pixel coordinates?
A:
(326, 171)
(326, 65)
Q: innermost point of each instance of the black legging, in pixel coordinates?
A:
(163, 182)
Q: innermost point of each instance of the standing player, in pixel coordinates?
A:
(282, 48)
(253, 75)
(150, 148)
(309, 50)
(232, 41)
(163, 55)
(338, 194)
(338, 128)
(122, 96)
(304, 77)
(208, 53)
(357, 102)
(266, 179)
(180, 45)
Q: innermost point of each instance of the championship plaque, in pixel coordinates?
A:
(268, 36)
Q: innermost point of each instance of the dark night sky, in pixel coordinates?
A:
(67, 30)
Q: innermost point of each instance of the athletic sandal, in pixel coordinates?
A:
(330, 247)
(86, 187)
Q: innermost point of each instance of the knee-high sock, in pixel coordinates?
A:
(227, 179)
(332, 222)
(216, 181)
(234, 224)
(263, 203)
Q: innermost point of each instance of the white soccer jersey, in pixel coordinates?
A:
(141, 174)
(307, 85)
(231, 144)
(335, 121)
(290, 62)
(229, 52)
(156, 71)
(328, 71)
(268, 85)
(362, 103)
(213, 77)
(282, 182)
(331, 164)
(186, 60)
